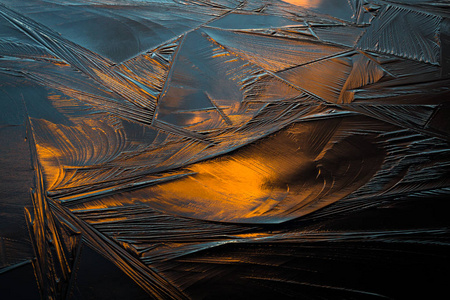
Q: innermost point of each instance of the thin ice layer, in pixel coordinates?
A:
(118, 32)
(238, 112)
(251, 21)
(209, 87)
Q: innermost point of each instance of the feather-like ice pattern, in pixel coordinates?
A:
(271, 53)
(14, 253)
(387, 35)
(225, 148)
(339, 75)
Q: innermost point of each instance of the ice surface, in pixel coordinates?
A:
(225, 149)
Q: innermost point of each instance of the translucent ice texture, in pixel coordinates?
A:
(225, 148)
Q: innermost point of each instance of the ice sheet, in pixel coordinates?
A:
(225, 148)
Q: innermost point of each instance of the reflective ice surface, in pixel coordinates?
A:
(224, 149)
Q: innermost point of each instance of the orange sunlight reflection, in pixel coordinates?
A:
(305, 3)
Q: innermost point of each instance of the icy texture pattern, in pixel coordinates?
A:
(224, 149)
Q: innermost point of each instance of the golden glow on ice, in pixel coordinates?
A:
(305, 3)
